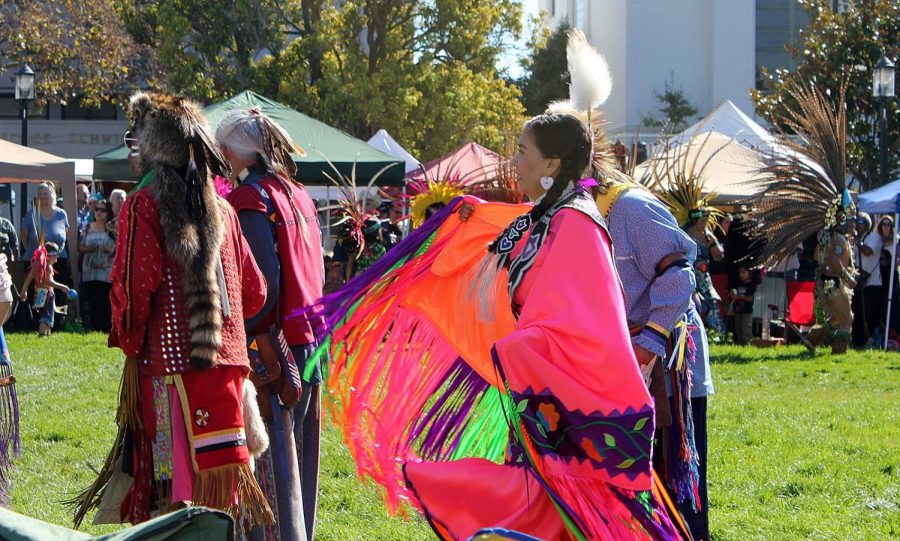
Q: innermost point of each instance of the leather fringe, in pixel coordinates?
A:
(216, 488)
(128, 413)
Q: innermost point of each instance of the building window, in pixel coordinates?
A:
(553, 8)
(578, 21)
(778, 24)
(9, 107)
(76, 111)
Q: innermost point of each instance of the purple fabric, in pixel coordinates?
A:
(336, 305)
(9, 422)
(444, 417)
(619, 442)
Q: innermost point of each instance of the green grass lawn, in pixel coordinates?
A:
(800, 447)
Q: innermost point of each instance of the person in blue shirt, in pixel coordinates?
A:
(47, 218)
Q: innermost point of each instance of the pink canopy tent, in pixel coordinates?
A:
(469, 164)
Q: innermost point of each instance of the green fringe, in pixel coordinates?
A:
(487, 434)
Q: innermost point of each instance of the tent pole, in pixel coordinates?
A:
(887, 317)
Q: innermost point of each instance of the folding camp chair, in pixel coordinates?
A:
(800, 310)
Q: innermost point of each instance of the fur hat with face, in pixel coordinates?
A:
(175, 145)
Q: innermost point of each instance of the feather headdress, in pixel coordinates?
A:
(678, 177)
(591, 82)
(438, 192)
(355, 218)
(590, 88)
(804, 188)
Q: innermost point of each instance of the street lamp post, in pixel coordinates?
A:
(24, 94)
(883, 90)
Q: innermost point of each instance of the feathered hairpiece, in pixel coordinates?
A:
(437, 192)
(678, 177)
(804, 185)
(352, 206)
(591, 82)
(591, 86)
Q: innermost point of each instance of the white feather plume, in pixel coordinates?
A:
(589, 72)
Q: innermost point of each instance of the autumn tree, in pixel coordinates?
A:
(78, 48)
(423, 70)
(839, 46)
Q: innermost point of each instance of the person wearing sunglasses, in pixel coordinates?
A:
(98, 247)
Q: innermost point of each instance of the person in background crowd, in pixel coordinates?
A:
(82, 195)
(742, 306)
(868, 300)
(889, 249)
(53, 222)
(9, 240)
(280, 222)
(44, 284)
(391, 230)
(708, 249)
(117, 199)
(98, 247)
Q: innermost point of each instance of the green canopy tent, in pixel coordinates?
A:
(316, 138)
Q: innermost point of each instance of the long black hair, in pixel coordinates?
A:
(564, 137)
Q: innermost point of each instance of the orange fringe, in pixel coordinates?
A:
(216, 488)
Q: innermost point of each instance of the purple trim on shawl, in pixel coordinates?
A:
(444, 418)
(337, 304)
(586, 183)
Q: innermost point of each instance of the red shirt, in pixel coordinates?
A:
(150, 319)
(299, 253)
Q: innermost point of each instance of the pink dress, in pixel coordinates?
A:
(583, 407)
(533, 418)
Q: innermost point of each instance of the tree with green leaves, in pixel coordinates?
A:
(423, 69)
(675, 107)
(79, 49)
(837, 47)
(546, 76)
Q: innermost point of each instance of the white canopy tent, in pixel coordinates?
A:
(24, 165)
(884, 200)
(383, 141)
(730, 121)
(729, 171)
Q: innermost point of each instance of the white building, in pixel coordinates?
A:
(712, 49)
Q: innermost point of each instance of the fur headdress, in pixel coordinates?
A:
(175, 144)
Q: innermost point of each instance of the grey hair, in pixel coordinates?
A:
(249, 134)
(50, 186)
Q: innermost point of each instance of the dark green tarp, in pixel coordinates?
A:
(192, 524)
(316, 138)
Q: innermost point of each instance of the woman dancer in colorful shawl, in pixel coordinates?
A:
(503, 394)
